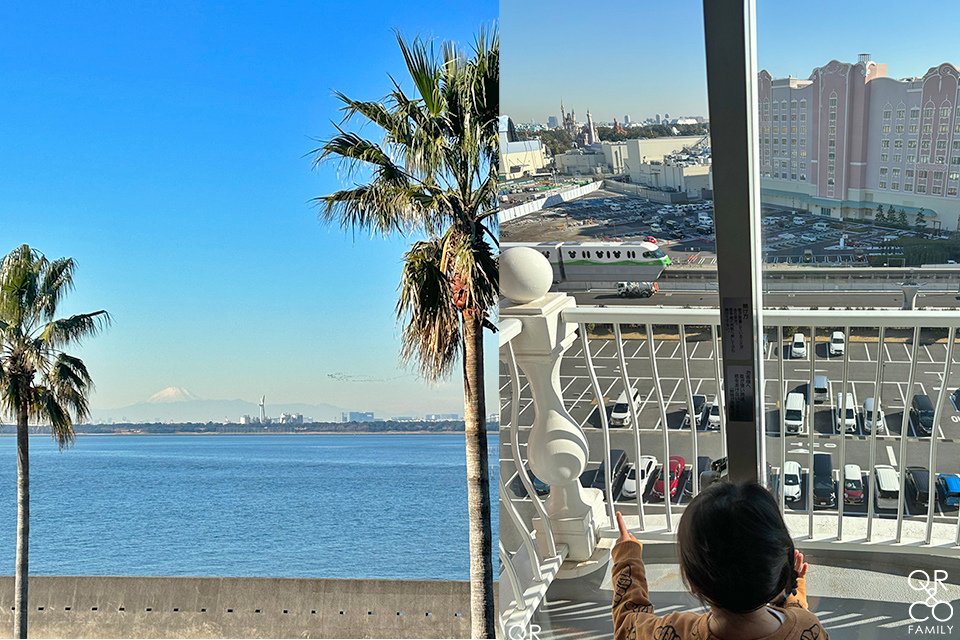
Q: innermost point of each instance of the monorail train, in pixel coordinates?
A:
(600, 261)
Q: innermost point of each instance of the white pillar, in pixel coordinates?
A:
(557, 448)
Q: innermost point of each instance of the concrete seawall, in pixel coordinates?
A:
(174, 607)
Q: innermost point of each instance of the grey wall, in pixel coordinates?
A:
(114, 607)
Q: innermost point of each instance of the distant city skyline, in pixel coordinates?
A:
(646, 58)
(166, 149)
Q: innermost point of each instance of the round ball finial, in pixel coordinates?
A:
(525, 274)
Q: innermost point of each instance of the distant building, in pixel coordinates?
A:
(245, 419)
(519, 157)
(291, 418)
(626, 120)
(677, 163)
(357, 416)
(657, 119)
(606, 158)
(849, 138)
(437, 417)
(552, 122)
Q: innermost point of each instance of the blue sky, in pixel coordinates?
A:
(642, 58)
(163, 146)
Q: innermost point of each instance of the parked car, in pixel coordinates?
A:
(869, 419)
(621, 415)
(539, 486)
(699, 410)
(808, 237)
(917, 485)
(795, 408)
(824, 492)
(837, 343)
(798, 348)
(852, 484)
(638, 476)
(821, 388)
(792, 487)
(713, 416)
(921, 414)
(948, 489)
(797, 220)
(886, 493)
(955, 396)
(846, 413)
(675, 470)
(618, 468)
(786, 236)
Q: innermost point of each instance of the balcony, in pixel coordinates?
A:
(564, 464)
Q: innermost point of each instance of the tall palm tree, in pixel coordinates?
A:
(433, 175)
(39, 383)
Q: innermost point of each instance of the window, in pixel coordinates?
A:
(943, 129)
(883, 171)
(937, 190)
(895, 186)
(883, 157)
(833, 102)
(832, 130)
(896, 172)
(951, 191)
(928, 128)
(886, 114)
(955, 160)
(883, 185)
(924, 158)
(898, 144)
(899, 128)
(908, 173)
(803, 130)
(938, 175)
(941, 144)
(911, 144)
(925, 145)
(907, 187)
(954, 175)
(912, 128)
(897, 157)
(915, 113)
(833, 117)
(885, 144)
(830, 182)
(922, 174)
(885, 128)
(900, 113)
(803, 116)
(944, 112)
(911, 158)
(921, 188)
(928, 112)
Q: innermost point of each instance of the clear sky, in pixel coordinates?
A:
(163, 145)
(643, 58)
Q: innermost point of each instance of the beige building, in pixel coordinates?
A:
(685, 177)
(519, 158)
(605, 158)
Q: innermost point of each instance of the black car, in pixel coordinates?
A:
(824, 491)
(956, 399)
(541, 487)
(921, 414)
(917, 484)
(699, 410)
(618, 470)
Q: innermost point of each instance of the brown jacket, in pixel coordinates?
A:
(634, 619)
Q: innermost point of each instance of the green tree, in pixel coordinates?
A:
(39, 382)
(880, 217)
(921, 221)
(902, 218)
(433, 174)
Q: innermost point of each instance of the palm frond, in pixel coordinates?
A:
(57, 282)
(431, 335)
(60, 333)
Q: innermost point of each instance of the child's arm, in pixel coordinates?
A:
(800, 599)
(631, 601)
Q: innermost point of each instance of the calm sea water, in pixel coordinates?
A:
(351, 506)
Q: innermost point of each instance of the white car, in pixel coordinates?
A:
(806, 237)
(798, 348)
(792, 487)
(846, 414)
(621, 415)
(868, 417)
(713, 419)
(838, 343)
(646, 468)
(787, 236)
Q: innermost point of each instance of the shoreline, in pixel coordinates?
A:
(239, 433)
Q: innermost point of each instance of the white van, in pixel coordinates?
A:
(621, 416)
(795, 409)
(798, 348)
(887, 489)
(821, 226)
(846, 414)
(838, 343)
(869, 418)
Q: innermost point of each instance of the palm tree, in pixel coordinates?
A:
(39, 382)
(433, 175)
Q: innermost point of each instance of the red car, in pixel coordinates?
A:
(650, 239)
(676, 469)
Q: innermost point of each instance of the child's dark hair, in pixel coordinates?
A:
(735, 550)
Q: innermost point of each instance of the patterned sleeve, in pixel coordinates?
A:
(632, 608)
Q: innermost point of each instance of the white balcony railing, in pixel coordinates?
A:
(564, 366)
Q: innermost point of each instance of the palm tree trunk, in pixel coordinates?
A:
(23, 524)
(478, 486)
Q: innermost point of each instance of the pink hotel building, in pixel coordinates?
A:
(849, 138)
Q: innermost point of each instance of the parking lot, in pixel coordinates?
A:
(581, 403)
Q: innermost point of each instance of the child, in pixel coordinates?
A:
(737, 557)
